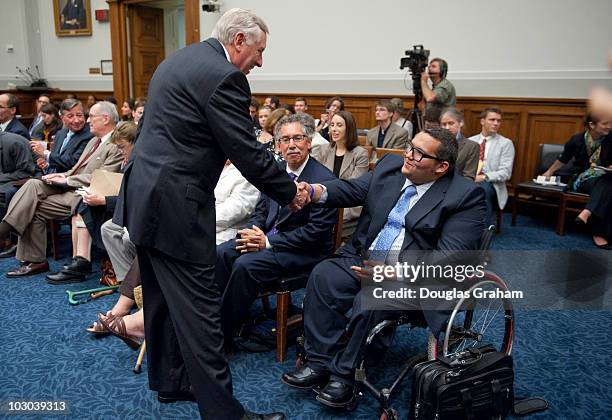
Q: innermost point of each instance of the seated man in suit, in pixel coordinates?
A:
(8, 122)
(386, 134)
(412, 204)
(54, 197)
(467, 157)
(276, 242)
(496, 160)
(43, 99)
(69, 142)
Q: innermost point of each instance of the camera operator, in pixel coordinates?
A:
(442, 92)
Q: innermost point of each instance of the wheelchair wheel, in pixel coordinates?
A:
(486, 318)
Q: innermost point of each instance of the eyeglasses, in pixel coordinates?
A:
(296, 139)
(418, 154)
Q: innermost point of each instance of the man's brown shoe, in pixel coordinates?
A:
(29, 269)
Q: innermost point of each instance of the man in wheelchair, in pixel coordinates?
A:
(412, 204)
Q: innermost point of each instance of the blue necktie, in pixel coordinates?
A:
(274, 230)
(66, 141)
(394, 225)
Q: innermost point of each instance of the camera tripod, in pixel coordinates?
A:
(415, 116)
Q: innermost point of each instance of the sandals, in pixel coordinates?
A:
(98, 329)
(116, 327)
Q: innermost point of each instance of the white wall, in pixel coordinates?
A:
(544, 48)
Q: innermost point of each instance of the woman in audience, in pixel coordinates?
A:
(139, 106)
(267, 137)
(333, 105)
(51, 123)
(262, 115)
(345, 158)
(127, 110)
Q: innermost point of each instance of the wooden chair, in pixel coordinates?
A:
(570, 201)
(282, 290)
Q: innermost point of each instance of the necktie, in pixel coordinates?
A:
(87, 156)
(274, 230)
(66, 141)
(481, 155)
(394, 225)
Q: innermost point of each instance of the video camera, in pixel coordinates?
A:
(416, 60)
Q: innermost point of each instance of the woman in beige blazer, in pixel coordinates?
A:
(345, 158)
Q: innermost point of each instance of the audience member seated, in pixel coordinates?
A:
(235, 200)
(139, 107)
(8, 120)
(90, 214)
(412, 204)
(266, 136)
(590, 149)
(69, 142)
(431, 117)
(127, 110)
(333, 105)
(469, 152)
(53, 196)
(300, 105)
(398, 116)
(91, 101)
(50, 124)
(43, 99)
(275, 242)
(345, 158)
(254, 112)
(15, 164)
(386, 134)
(263, 113)
(496, 159)
(272, 101)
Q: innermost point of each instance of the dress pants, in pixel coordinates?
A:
(600, 205)
(335, 339)
(32, 206)
(183, 330)
(120, 249)
(7, 191)
(491, 201)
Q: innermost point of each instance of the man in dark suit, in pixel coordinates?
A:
(197, 116)
(411, 204)
(275, 241)
(8, 110)
(69, 142)
(43, 99)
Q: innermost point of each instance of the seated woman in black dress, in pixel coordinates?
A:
(590, 149)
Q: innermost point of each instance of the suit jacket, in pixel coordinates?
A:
(395, 138)
(467, 157)
(305, 235)
(106, 157)
(498, 164)
(235, 200)
(15, 158)
(197, 116)
(354, 164)
(15, 126)
(62, 162)
(449, 217)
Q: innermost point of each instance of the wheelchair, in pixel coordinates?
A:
(473, 322)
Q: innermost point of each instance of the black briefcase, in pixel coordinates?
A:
(474, 384)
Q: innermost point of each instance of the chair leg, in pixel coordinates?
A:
(54, 226)
(561, 217)
(143, 349)
(514, 207)
(282, 309)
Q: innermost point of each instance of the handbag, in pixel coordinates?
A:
(474, 384)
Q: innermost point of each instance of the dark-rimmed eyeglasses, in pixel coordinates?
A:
(418, 154)
(296, 139)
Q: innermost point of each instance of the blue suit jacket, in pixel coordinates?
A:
(305, 235)
(62, 162)
(449, 217)
(15, 126)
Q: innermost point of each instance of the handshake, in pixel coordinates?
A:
(306, 194)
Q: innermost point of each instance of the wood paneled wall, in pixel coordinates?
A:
(528, 122)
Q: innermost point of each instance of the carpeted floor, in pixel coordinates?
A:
(562, 355)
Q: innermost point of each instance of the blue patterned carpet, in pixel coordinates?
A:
(45, 355)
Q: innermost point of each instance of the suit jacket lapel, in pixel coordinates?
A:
(389, 135)
(433, 197)
(349, 156)
(390, 192)
(306, 174)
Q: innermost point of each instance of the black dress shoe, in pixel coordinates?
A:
(305, 378)
(270, 416)
(29, 269)
(578, 221)
(79, 265)
(336, 394)
(65, 277)
(171, 397)
(10, 251)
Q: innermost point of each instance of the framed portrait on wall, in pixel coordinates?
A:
(72, 17)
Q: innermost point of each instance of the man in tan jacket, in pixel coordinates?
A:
(54, 197)
(386, 134)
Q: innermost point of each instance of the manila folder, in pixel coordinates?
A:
(105, 183)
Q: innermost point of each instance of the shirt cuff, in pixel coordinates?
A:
(46, 154)
(268, 246)
(323, 198)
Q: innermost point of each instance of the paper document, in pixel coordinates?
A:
(105, 183)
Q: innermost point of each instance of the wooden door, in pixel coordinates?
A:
(146, 45)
